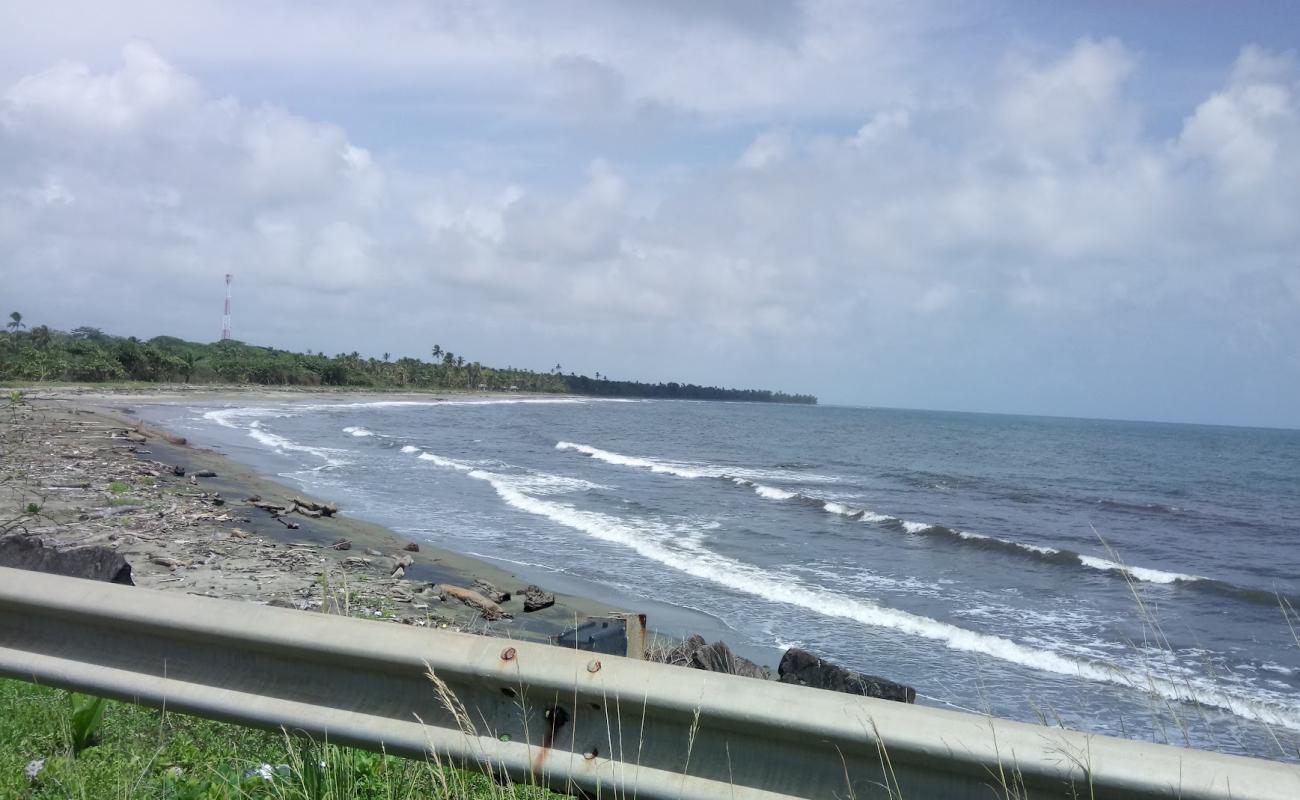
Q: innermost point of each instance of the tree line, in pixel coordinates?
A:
(88, 354)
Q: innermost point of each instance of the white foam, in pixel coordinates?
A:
(282, 445)
(772, 493)
(357, 430)
(1140, 573)
(229, 417)
(916, 527)
(1033, 548)
(696, 470)
(860, 513)
(444, 462)
(662, 467)
(410, 448)
(650, 542)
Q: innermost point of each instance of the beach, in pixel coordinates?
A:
(1102, 576)
(81, 469)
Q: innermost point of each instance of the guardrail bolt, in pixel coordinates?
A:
(593, 666)
(507, 654)
(590, 753)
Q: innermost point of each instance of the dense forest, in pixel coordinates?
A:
(40, 353)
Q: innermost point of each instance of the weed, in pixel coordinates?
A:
(119, 487)
(87, 713)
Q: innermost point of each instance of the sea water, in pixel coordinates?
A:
(1129, 578)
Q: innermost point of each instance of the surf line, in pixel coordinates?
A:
(1036, 552)
(748, 579)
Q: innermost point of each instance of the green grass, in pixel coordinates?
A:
(119, 487)
(143, 752)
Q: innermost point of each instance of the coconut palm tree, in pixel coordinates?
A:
(16, 321)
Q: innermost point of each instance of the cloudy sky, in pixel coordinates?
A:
(1021, 207)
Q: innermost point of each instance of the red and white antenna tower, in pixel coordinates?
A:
(225, 318)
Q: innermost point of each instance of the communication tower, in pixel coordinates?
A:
(225, 318)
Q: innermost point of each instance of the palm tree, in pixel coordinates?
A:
(386, 357)
(16, 321)
(437, 351)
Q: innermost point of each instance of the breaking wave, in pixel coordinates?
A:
(652, 541)
(284, 446)
(1036, 552)
(693, 470)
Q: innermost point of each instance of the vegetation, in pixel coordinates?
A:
(88, 354)
(57, 745)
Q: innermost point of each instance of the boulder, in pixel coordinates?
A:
(696, 653)
(94, 563)
(491, 592)
(805, 669)
(535, 599)
(411, 547)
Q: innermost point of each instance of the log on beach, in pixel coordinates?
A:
(490, 610)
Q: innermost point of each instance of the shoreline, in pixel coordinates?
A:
(101, 476)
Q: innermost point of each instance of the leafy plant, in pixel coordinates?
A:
(87, 713)
(119, 487)
(33, 508)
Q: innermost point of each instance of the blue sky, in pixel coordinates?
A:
(1052, 208)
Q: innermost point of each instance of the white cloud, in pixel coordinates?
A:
(826, 179)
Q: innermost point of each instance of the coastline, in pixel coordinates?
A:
(101, 476)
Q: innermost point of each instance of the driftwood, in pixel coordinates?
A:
(319, 509)
(265, 506)
(490, 610)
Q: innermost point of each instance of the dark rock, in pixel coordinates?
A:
(178, 471)
(411, 547)
(696, 653)
(205, 473)
(805, 669)
(535, 599)
(94, 563)
(491, 592)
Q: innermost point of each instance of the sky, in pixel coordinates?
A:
(1025, 207)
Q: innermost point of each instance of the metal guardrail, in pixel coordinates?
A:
(572, 720)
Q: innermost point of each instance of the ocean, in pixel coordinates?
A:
(1126, 578)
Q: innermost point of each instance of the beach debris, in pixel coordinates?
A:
(314, 509)
(615, 634)
(696, 653)
(204, 473)
(178, 471)
(490, 592)
(94, 563)
(257, 502)
(490, 610)
(805, 669)
(535, 599)
(400, 564)
(341, 544)
(33, 769)
(293, 526)
(411, 547)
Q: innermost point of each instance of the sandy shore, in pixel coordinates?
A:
(78, 468)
